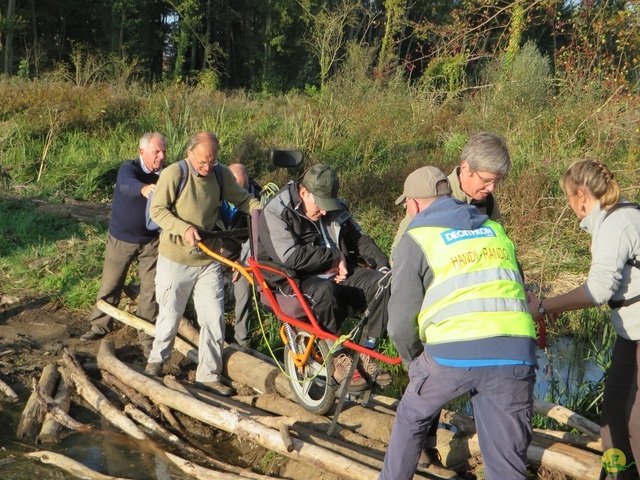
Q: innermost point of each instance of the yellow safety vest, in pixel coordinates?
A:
(476, 291)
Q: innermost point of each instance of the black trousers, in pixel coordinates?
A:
(333, 302)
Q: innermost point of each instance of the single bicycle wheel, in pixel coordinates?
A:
(314, 386)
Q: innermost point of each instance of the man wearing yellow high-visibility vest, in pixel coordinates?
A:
(458, 317)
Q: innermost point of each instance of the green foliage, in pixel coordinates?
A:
(48, 255)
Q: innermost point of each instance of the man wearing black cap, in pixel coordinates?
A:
(306, 228)
(459, 318)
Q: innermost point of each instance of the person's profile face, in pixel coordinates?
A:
(154, 154)
(203, 157)
(478, 184)
(311, 210)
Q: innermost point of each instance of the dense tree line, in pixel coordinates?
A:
(277, 45)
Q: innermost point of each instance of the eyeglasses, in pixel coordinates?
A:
(205, 163)
(494, 181)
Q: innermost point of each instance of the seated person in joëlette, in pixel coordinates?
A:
(307, 229)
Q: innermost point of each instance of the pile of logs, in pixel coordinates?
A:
(269, 418)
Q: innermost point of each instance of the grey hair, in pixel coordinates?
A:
(487, 152)
(146, 138)
(203, 137)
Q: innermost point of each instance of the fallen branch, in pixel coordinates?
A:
(8, 391)
(97, 401)
(56, 412)
(57, 409)
(233, 422)
(567, 417)
(199, 472)
(33, 413)
(581, 441)
(180, 345)
(132, 395)
(162, 432)
(76, 469)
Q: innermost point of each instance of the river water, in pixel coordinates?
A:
(563, 368)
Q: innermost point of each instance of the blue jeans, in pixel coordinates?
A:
(502, 398)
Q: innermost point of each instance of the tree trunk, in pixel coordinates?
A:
(8, 41)
(76, 469)
(57, 409)
(97, 401)
(33, 413)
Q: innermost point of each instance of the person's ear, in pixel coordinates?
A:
(465, 168)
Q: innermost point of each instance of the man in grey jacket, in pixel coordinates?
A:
(307, 229)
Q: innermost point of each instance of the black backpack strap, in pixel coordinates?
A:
(217, 169)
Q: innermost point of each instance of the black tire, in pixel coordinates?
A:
(314, 387)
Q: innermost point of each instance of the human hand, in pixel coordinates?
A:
(341, 276)
(532, 302)
(147, 189)
(191, 236)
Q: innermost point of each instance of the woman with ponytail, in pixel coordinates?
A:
(614, 279)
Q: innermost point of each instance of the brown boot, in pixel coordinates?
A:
(342, 364)
(373, 371)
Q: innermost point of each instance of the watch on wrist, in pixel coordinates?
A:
(541, 308)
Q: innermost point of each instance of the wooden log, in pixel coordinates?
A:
(233, 422)
(33, 413)
(199, 472)
(171, 382)
(581, 441)
(57, 415)
(286, 408)
(162, 432)
(60, 416)
(76, 469)
(132, 395)
(97, 401)
(185, 329)
(249, 370)
(356, 452)
(180, 345)
(567, 417)
(566, 459)
(9, 393)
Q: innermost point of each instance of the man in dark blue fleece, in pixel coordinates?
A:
(459, 319)
(129, 239)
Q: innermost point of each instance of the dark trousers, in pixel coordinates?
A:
(118, 258)
(502, 398)
(332, 302)
(620, 421)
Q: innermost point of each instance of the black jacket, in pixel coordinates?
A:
(288, 237)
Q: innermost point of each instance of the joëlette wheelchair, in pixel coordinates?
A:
(307, 353)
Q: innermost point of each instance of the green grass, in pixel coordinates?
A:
(48, 255)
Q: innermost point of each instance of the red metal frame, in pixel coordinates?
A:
(310, 324)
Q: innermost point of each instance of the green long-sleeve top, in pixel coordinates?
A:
(196, 205)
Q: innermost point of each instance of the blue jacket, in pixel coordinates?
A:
(127, 221)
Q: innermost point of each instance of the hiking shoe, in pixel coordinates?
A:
(91, 335)
(430, 457)
(216, 387)
(154, 369)
(342, 364)
(373, 371)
